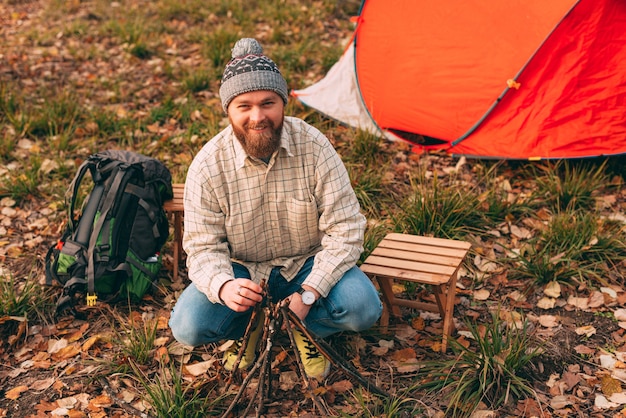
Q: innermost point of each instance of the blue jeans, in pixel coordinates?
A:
(352, 305)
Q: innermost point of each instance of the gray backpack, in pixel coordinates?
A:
(112, 248)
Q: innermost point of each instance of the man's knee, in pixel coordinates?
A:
(185, 328)
(186, 335)
(366, 316)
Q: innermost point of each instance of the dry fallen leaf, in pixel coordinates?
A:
(548, 321)
(162, 355)
(410, 367)
(482, 294)
(463, 341)
(619, 398)
(342, 386)
(517, 296)
(67, 403)
(404, 332)
(73, 413)
(90, 342)
(612, 293)
(596, 299)
(521, 233)
(101, 401)
(386, 343)
(587, 330)
(580, 303)
(561, 401)
(60, 412)
(383, 347)
(620, 314)
(15, 393)
(127, 396)
(42, 384)
(609, 385)
(552, 290)
(436, 346)
(418, 323)
(602, 402)
(607, 361)
(380, 351)
(55, 345)
(404, 355)
(67, 352)
(546, 303)
(161, 341)
(482, 413)
(197, 369)
(529, 408)
(571, 379)
(287, 380)
(512, 318)
(583, 349)
(55, 62)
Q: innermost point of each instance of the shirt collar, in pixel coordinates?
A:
(240, 154)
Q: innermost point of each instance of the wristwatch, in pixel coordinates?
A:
(308, 297)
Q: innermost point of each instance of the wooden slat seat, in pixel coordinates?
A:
(175, 207)
(412, 258)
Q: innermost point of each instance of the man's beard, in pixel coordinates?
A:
(259, 145)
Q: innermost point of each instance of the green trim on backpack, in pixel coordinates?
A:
(144, 275)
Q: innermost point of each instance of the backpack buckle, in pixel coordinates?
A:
(91, 299)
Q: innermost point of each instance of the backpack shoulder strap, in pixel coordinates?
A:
(144, 194)
(107, 205)
(73, 189)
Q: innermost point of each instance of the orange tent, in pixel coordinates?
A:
(517, 79)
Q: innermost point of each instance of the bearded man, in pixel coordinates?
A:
(269, 199)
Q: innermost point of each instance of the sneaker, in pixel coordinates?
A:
(316, 366)
(230, 356)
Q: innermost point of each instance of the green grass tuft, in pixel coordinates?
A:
(491, 370)
(170, 395)
(570, 185)
(437, 209)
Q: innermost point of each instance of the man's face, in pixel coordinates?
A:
(257, 121)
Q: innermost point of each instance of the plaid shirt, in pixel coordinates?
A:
(266, 215)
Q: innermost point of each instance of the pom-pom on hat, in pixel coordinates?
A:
(250, 70)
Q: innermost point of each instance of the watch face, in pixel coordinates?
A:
(308, 297)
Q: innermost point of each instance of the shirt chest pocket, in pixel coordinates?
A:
(300, 222)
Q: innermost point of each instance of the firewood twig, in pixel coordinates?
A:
(277, 315)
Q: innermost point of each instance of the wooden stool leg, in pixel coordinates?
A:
(448, 312)
(177, 243)
(389, 306)
(384, 319)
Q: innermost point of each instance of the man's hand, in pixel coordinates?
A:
(241, 294)
(298, 307)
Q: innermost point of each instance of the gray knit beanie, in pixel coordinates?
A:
(250, 70)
